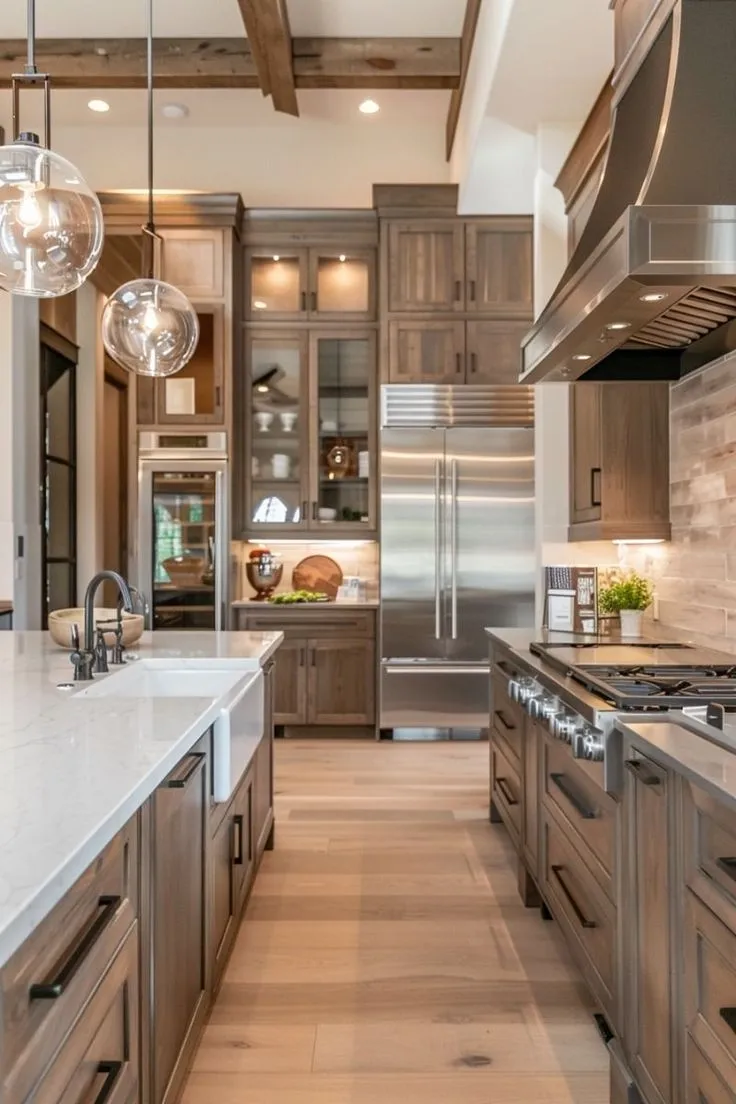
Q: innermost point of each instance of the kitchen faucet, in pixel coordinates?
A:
(92, 657)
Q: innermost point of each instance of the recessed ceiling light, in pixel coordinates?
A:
(618, 326)
(582, 356)
(369, 107)
(99, 105)
(174, 110)
(653, 297)
(258, 304)
(342, 257)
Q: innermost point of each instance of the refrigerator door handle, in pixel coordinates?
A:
(437, 549)
(453, 547)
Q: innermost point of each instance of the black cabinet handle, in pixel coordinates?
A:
(314, 300)
(112, 1071)
(472, 291)
(577, 803)
(181, 783)
(305, 511)
(473, 362)
(218, 396)
(458, 364)
(53, 989)
(503, 788)
(302, 657)
(595, 494)
(636, 766)
(304, 301)
(458, 291)
(728, 866)
(315, 511)
(238, 847)
(509, 727)
(728, 1015)
(314, 656)
(580, 915)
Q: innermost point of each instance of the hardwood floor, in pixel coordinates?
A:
(385, 955)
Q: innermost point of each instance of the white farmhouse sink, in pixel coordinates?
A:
(234, 687)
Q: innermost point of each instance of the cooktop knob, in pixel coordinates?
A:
(564, 726)
(588, 743)
(520, 690)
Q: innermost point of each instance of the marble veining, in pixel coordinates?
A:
(74, 770)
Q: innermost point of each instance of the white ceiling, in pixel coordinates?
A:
(185, 18)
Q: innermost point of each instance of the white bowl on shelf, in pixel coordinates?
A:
(264, 420)
(326, 513)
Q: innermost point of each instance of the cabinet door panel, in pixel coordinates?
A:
(427, 352)
(243, 847)
(426, 266)
(342, 682)
(179, 979)
(585, 452)
(195, 395)
(290, 683)
(194, 262)
(276, 284)
(222, 899)
(500, 267)
(530, 773)
(342, 284)
(494, 351)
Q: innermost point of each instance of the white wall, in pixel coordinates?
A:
(500, 174)
(90, 442)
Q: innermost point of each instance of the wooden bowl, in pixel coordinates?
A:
(185, 570)
(61, 621)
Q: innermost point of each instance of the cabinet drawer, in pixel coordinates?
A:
(99, 1061)
(709, 836)
(507, 720)
(584, 808)
(703, 1085)
(313, 624)
(50, 978)
(710, 986)
(506, 789)
(583, 911)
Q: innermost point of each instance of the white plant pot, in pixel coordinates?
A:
(631, 622)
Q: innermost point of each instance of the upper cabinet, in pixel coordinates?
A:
(194, 261)
(480, 266)
(619, 461)
(196, 394)
(328, 284)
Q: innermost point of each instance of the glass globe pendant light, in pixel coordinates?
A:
(149, 326)
(51, 225)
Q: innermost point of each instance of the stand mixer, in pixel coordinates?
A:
(264, 573)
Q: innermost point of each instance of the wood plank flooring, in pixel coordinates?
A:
(385, 955)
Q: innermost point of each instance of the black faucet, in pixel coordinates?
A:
(90, 657)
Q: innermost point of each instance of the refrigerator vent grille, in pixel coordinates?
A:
(447, 405)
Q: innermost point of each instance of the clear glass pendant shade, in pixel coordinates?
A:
(51, 225)
(150, 328)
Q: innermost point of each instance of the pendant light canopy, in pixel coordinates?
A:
(148, 326)
(51, 225)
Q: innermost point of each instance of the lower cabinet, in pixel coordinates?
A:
(232, 864)
(180, 810)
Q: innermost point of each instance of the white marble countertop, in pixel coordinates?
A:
(74, 770)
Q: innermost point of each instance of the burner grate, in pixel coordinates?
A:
(630, 687)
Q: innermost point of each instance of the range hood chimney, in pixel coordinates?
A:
(650, 291)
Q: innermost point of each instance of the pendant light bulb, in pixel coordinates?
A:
(51, 225)
(150, 327)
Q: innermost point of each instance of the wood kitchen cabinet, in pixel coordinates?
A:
(493, 351)
(196, 394)
(342, 679)
(426, 352)
(327, 283)
(499, 267)
(426, 266)
(647, 924)
(180, 974)
(232, 867)
(619, 461)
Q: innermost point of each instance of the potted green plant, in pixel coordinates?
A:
(628, 596)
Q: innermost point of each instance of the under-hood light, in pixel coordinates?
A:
(582, 356)
(653, 297)
(618, 326)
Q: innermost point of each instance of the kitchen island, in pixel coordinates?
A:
(122, 879)
(622, 809)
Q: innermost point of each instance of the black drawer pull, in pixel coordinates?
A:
(304, 300)
(458, 291)
(581, 917)
(472, 291)
(509, 727)
(728, 1015)
(577, 803)
(112, 1071)
(728, 866)
(636, 766)
(52, 990)
(503, 788)
(238, 849)
(180, 783)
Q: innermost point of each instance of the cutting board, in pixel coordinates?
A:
(317, 573)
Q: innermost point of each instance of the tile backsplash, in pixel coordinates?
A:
(354, 557)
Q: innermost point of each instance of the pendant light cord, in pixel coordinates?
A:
(150, 229)
(31, 34)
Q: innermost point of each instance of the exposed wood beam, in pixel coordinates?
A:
(470, 23)
(267, 27)
(370, 63)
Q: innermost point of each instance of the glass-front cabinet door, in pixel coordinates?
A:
(342, 284)
(184, 553)
(276, 283)
(278, 479)
(343, 401)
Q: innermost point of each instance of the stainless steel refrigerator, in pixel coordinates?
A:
(183, 543)
(457, 547)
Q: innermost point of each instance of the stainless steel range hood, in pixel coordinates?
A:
(650, 291)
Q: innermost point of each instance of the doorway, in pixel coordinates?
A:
(58, 482)
(115, 474)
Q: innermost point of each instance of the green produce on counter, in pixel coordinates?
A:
(295, 597)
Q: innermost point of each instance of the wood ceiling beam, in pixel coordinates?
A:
(267, 27)
(369, 63)
(470, 24)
